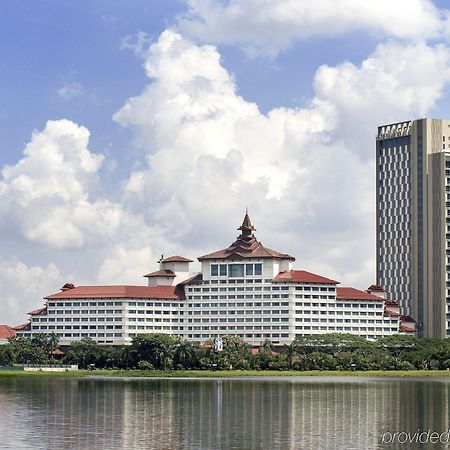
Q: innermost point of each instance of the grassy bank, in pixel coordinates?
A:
(222, 373)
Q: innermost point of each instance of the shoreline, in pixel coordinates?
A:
(235, 374)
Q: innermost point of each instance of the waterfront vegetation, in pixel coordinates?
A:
(165, 355)
(136, 373)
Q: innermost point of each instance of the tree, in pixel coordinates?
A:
(290, 351)
(235, 354)
(26, 351)
(48, 342)
(266, 346)
(157, 348)
(331, 343)
(7, 356)
(84, 353)
(185, 354)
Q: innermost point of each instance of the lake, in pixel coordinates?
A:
(251, 413)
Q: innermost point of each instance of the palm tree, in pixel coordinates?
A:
(266, 346)
(291, 351)
(52, 342)
(185, 353)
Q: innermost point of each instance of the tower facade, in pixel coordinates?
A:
(413, 219)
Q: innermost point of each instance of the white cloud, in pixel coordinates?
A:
(70, 90)
(22, 288)
(48, 196)
(269, 26)
(306, 174)
(397, 82)
(211, 153)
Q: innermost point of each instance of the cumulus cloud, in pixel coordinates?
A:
(210, 153)
(395, 83)
(22, 287)
(306, 174)
(268, 26)
(48, 196)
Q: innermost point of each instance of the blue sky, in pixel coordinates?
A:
(47, 45)
(112, 154)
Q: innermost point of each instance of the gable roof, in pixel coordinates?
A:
(176, 259)
(38, 311)
(161, 273)
(6, 332)
(246, 246)
(302, 276)
(122, 291)
(23, 326)
(349, 293)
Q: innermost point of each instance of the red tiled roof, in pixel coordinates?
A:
(407, 319)
(6, 332)
(301, 276)
(57, 352)
(246, 246)
(392, 313)
(22, 326)
(376, 287)
(255, 351)
(407, 328)
(392, 302)
(195, 279)
(161, 273)
(37, 312)
(176, 259)
(164, 292)
(235, 252)
(349, 293)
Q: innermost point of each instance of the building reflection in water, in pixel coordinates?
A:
(289, 413)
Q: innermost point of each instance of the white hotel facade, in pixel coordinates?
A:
(246, 290)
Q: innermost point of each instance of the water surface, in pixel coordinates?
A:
(259, 413)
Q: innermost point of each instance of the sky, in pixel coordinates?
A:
(134, 129)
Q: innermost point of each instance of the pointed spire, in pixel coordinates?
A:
(246, 226)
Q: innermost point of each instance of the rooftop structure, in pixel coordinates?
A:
(246, 289)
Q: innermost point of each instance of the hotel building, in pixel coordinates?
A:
(246, 290)
(413, 220)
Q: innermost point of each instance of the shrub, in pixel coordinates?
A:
(145, 365)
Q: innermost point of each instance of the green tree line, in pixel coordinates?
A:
(162, 351)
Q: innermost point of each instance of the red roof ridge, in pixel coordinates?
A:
(6, 331)
(406, 319)
(176, 258)
(246, 246)
(392, 302)
(121, 291)
(37, 311)
(302, 276)
(350, 293)
(391, 313)
(22, 326)
(406, 328)
(161, 273)
(376, 287)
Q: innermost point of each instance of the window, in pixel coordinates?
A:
(236, 270)
(214, 270)
(249, 269)
(258, 269)
(223, 270)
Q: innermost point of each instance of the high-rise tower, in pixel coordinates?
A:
(413, 219)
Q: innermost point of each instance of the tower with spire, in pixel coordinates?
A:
(246, 249)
